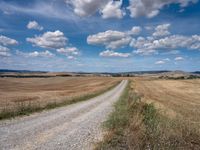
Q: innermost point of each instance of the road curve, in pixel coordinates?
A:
(76, 126)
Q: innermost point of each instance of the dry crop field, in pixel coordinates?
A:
(175, 97)
(41, 91)
(155, 114)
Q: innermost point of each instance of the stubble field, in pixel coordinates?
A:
(42, 91)
(155, 114)
(174, 97)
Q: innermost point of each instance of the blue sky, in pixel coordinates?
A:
(100, 35)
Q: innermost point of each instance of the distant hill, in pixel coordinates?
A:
(196, 72)
(20, 71)
(44, 74)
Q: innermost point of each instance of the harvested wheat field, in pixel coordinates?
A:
(42, 91)
(175, 97)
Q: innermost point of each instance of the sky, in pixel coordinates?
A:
(100, 35)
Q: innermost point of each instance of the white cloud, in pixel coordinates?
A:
(162, 30)
(34, 25)
(70, 52)
(71, 57)
(36, 54)
(151, 8)
(160, 62)
(113, 10)
(145, 51)
(4, 51)
(41, 54)
(169, 44)
(163, 61)
(105, 37)
(149, 45)
(7, 41)
(119, 43)
(111, 39)
(135, 30)
(143, 46)
(86, 7)
(179, 58)
(49, 39)
(109, 53)
(106, 8)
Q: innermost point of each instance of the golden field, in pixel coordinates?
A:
(41, 91)
(153, 114)
(175, 97)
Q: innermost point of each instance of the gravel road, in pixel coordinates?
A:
(77, 126)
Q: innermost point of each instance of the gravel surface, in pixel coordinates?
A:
(77, 126)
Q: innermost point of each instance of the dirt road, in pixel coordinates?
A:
(76, 126)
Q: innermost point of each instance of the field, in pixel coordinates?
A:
(178, 98)
(44, 91)
(155, 114)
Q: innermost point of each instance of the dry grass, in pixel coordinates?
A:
(176, 97)
(40, 92)
(155, 114)
(177, 103)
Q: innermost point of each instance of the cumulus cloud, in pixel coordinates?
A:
(113, 39)
(160, 62)
(49, 39)
(86, 7)
(135, 30)
(7, 41)
(34, 25)
(145, 52)
(110, 53)
(179, 58)
(71, 57)
(119, 43)
(151, 8)
(150, 45)
(143, 46)
(113, 10)
(160, 42)
(70, 52)
(36, 54)
(105, 37)
(162, 30)
(4, 51)
(110, 39)
(107, 8)
(163, 61)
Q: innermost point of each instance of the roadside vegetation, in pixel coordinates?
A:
(26, 108)
(137, 125)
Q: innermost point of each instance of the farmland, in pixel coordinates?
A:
(40, 92)
(175, 97)
(155, 114)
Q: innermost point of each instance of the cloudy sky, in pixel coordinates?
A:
(100, 35)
